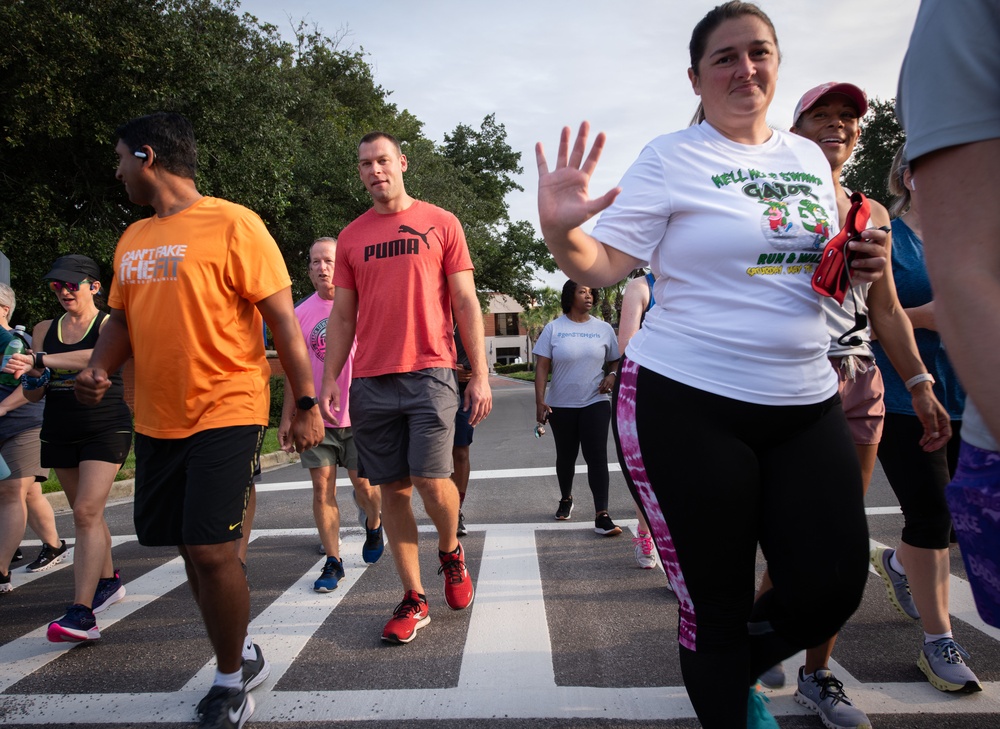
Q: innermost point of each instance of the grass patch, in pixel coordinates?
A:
(128, 469)
(526, 376)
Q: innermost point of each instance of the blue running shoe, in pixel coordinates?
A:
(76, 626)
(109, 591)
(333, 572)
(374, 545)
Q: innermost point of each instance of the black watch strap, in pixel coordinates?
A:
(39, 364)
(305, 403)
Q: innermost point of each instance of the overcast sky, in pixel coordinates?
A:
(543, 64)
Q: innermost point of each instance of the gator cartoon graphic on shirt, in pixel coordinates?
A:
(793, 218)
(776, 217)
(815, 220)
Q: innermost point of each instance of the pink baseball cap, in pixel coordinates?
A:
(810, 97)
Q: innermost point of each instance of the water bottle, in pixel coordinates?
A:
(15, 345)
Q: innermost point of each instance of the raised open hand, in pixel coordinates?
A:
(564, 201)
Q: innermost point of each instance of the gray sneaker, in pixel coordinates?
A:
(255, 672)
(774, 677)
(896, 584)
(824, 694)
(362, 516)
(941, 661)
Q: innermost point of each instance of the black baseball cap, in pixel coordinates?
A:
(74, 268)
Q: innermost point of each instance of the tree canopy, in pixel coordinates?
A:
(881, 136)
(277, 123)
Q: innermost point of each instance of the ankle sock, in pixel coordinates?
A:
(895, 565)
(248, 652)
(930, 637)
(229, 680)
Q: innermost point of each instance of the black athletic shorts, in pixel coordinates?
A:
(108, 447)
(194, 490)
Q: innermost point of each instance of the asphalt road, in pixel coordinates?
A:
(565, 630)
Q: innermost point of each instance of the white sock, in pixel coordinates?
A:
(229, 680)
(930, 638)
(248, 652)
(894, 563)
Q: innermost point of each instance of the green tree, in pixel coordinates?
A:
(543, 308)
(278, 125)
(881, 136)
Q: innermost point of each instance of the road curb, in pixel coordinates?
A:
(125, 489)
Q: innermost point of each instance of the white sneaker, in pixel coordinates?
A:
(645, 551)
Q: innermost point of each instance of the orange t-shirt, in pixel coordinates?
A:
(399, 263)
(189, 284)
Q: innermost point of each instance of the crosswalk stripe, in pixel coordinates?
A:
(506, 665)
(508, 634)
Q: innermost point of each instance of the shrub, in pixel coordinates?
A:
(277, 399)
(507, 369)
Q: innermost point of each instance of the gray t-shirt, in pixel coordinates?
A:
(949, 86)
(578, 352)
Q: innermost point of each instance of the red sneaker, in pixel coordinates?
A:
(408, 617)
(458, 591)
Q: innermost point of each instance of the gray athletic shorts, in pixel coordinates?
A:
(404, 424)
(21, 452)
(336, 449)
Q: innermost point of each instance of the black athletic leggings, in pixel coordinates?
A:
(717, 476)
(587, 428)
(919, 478)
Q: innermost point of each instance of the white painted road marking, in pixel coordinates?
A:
(509, 594)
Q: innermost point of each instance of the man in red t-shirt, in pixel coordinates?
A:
(402, 268)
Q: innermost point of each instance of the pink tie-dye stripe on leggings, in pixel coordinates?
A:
(636, 471)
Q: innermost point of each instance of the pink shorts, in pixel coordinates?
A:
(863, 399)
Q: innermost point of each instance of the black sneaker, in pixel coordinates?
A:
(565, 509)
(461, 531)
(604, 525)
(18, 557)
(49, 557)
(5, 583)
(255, 670)
(225, 708)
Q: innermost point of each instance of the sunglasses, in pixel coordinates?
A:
(60, 285)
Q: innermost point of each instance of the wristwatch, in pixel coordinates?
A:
(305, 403)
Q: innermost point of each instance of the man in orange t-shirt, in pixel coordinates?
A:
(402, 268)
(192, 287)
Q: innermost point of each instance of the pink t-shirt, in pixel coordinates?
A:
(399, 264)
(312, 315)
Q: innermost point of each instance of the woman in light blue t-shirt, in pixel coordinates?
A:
(580, 352)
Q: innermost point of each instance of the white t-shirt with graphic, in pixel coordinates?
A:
(578, 351)
(732, 232)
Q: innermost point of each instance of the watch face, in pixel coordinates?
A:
(305, 403)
